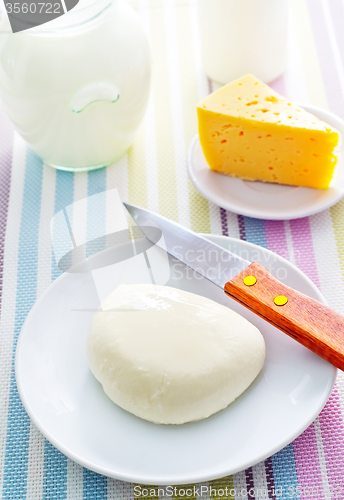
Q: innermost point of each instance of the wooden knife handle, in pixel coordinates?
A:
(311, 323)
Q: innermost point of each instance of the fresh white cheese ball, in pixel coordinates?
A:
(171, 356)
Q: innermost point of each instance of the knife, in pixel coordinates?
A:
(311, 323)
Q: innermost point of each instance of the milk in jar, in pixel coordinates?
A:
(76, 88)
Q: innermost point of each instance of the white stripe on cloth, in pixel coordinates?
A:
(240, 486)
(260, 484)
(117, 177)
(322, 459)
(35, 465)
(119, 489)
(75, 481)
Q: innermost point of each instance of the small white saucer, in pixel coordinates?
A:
(263, 200)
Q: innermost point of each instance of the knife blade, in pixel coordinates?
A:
(311, 323)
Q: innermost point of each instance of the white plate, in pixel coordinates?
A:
(70, 408)
(264, 200)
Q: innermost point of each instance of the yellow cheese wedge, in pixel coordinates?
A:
(249, 131)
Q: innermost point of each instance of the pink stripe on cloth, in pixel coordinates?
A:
(308, 465)
(332, 431)
(303, 248)
(276, 238)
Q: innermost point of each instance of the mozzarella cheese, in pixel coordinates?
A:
(249, 131)
(170, 356)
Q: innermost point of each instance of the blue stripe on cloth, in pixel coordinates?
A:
(96, 181)
(18, 423)
(64, 195)
(255, 231)
(55, 463)
(55, 473)
(96, 209)
(95, 485)
(285, 476)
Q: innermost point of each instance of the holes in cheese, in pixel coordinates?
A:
(305, 147)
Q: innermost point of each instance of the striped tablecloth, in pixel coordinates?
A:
(153, 174)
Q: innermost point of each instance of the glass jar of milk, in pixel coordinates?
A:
(243, 36)
(76, 88)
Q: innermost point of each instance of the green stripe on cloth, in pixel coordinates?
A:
(222, 488)
(185, 491)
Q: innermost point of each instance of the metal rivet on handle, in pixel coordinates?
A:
(250, 280)
(280, 300)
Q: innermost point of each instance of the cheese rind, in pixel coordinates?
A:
(249, 131)
(171, 356)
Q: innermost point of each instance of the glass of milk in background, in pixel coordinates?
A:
(243, 36)
(76, 88)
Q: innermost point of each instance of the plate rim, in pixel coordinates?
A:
(260, 214)
(181, 479)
